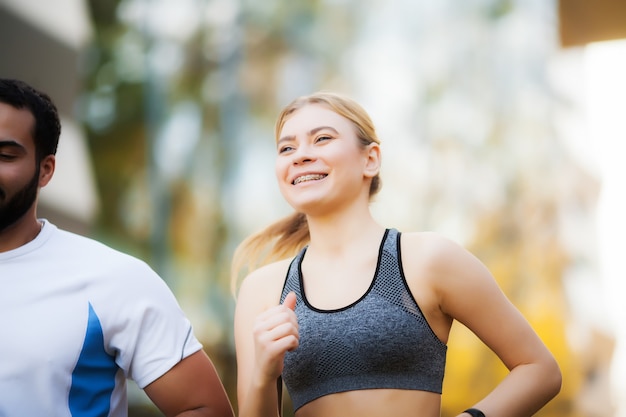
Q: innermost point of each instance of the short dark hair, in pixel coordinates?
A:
(47, 127)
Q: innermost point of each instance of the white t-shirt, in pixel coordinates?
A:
(76, 319)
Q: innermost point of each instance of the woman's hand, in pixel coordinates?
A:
(275, 333)
(264, 332)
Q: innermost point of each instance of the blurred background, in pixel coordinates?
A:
(503, 126)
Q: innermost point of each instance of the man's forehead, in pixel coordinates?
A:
(16, 126)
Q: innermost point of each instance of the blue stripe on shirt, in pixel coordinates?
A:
(93, 379)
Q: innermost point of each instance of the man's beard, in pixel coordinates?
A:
(13, 209)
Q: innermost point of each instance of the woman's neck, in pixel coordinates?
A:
(338, 232)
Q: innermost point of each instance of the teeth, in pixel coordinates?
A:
(308, 177)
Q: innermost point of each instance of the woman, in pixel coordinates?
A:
(357, 323)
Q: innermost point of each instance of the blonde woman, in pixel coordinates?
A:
(356, 324)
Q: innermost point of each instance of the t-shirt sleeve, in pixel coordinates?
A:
(148, 330)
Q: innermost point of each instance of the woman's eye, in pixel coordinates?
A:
(285, 149)
(323, 137)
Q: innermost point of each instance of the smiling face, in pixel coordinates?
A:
(321, 164)
(19, 173)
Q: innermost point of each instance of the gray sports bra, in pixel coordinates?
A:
(381, 340)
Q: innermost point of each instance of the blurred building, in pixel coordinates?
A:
(583, 21)
(598, 30)
(41, 44)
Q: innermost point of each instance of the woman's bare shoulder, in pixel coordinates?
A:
(437, 258)
(265, 283)
(430, 247)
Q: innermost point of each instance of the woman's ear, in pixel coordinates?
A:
(46, 170)
(372, 165)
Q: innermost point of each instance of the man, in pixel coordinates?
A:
(78, 318)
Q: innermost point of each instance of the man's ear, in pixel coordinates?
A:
(46, 169)
(372, 165)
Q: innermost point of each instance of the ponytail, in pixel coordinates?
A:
(280, 240)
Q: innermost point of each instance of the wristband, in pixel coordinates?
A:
(474, 412)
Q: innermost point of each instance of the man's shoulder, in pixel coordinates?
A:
(80, 246)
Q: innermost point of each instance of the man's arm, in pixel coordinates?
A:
(191, 388)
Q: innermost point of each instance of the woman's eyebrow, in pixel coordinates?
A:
(317, 129)
(285, 139)
(309, 133)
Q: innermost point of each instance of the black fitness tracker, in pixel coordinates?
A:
(474, 412)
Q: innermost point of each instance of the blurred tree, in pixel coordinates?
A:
(179, 105)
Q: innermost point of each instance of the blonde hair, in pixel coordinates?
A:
(284, 238)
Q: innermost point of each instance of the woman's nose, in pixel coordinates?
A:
(303, 155)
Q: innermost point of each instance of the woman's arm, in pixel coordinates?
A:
(467, 292)
(263, 334)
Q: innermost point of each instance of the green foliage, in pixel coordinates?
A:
(466, 107)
